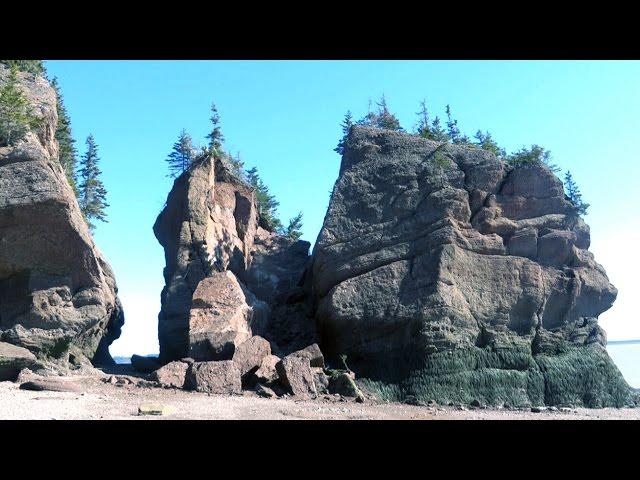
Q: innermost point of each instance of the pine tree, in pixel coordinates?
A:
(267, 203)
(67, 152)
(423, 128)
(486, 142)
(453, 132)
(35, 67)
(216, 139)
(346, 125)
(385, 119)
(437, 132)
(293, 230)
(93, 195)
(237, 164)
(369, 119)
(574, 196)
(182, 155)
(16, 114)
(533, 155)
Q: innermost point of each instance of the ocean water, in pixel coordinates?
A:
(626, 355)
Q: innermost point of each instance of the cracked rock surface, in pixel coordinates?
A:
(58, 295)
(442, 272)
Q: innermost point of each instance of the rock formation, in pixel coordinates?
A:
(58, 295)
(226, 278)
(443, 273)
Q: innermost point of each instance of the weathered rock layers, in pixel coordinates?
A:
(58, 295)
(443, 273)
(226, 278)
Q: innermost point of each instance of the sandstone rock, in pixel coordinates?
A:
(313, 354)
(13, 359)
(155, 409)
(433, 274)
(172, 375)
(144, 364)
(59, 293)
(223, 315)
(250, 354)
(209, 230)
(52, 384)
(296, 376)
(267, 372)
(207, 226)
(215, 377)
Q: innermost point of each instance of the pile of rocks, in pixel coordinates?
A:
(251, 365)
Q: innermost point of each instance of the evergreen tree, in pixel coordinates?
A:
(574, 196)
(216, 139)
(16, 114)
(182, 155)
(369, 119)
(35, 67)
(437, 132)
(293, 229)
(237, 164)
(423, 128)
(347, 123)
(67, 152)
(385, 119)
(533, 155)
(267, 203)
(93, 195)
(486, 142)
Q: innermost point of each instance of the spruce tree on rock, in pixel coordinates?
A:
(36, 67)
(423, 128)
(267, 203)
(574, 196)
(16, 114)
(67, 152)
(486, 142)
(181, 156)
(346, 125)
(216, 139)
(437, 132)
(293, 230)
(385, 119)
(453, 132)
(93, 195)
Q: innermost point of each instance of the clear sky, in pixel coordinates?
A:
(284, 117)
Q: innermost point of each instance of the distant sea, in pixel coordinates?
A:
(625, 354)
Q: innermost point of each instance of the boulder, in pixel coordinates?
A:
(58, 298)
(144, 364)
(13, 359)
(214, 377)
(250, 354)
(267, 372)
(51, 384)
(296, 376)
(171, 375)
(438, 266)
(313, 354)
(223, 315)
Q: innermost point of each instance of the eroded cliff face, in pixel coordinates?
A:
(58, 295)
(225, 277)
(441, 272)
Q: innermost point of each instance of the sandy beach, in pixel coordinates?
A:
(100, 400)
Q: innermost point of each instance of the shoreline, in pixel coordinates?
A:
(101, 400)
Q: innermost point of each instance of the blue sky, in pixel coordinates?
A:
(284, 117)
